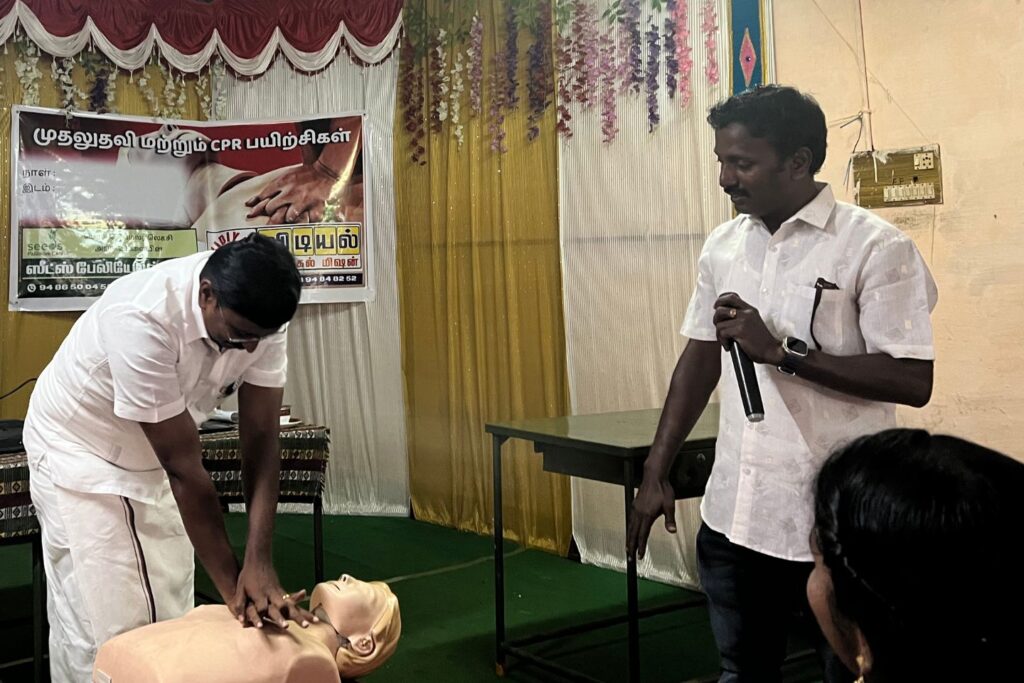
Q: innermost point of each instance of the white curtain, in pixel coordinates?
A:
(344, 360)
(634, 215)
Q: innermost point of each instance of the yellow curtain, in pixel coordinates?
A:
(29, 340)
(481, 303)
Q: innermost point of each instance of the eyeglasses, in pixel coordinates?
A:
(240, 341)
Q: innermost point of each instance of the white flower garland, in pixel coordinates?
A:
(458, 85)
(203, 90)
(442, 67)
(218, 76)
(148, 93)
(61, 69)
(112, 87)
(27, 68)
(175, 92)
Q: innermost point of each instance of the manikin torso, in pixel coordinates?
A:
(358, 630)
(208, 644)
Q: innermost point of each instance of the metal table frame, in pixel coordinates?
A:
(38, 600)
(611, 448)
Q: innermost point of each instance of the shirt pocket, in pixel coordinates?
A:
(209, 394)
(824, 323)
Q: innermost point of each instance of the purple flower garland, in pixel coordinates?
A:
(587, 52)
(653, 64)
(539, 86)
(635, 49)
(511, 56)
(411, 94)
(609, 114)
(499, 90)
(671, 62)
(564, 63)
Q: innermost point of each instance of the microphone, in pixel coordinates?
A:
(750, 392)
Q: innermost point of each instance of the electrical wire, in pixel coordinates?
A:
(18, 388)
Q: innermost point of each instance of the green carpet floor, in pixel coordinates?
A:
(444, 582)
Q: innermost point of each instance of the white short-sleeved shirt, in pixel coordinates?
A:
(760, 491)
(141, 353)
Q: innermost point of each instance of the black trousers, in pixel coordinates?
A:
(755, 601)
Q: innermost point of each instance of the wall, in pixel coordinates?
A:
(938, 72)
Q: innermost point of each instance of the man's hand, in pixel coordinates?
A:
(259, 594)
(737, 321)
(300, 193)
(654, 498)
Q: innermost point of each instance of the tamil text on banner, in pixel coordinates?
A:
(95, 197)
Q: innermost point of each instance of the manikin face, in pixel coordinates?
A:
(353, 607)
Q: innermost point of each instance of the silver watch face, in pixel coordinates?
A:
(794, 346)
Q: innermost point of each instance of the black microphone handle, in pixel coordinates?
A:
(746, 377)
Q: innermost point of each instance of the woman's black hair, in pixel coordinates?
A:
(922, 537)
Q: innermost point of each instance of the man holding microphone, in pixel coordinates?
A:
(832, 304)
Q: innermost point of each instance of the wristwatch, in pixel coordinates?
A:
(795, 350)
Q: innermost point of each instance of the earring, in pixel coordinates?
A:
(860, 669)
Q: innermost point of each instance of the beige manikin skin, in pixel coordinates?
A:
(209, 645)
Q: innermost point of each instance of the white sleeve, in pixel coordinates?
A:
(896, 299)
(143, 360)
(700, 314)
(271, 368)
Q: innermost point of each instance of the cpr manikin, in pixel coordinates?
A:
(358, 630)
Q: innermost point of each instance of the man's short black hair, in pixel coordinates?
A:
(255, 277)
(786, 117)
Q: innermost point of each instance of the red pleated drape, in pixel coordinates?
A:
(244, 26)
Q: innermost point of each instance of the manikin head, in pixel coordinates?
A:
(367, 619)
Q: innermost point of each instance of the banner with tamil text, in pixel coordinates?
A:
(97, 196)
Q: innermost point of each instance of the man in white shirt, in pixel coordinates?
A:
(832, 304)
(115, 460)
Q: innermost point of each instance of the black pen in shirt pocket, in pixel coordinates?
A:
(229, 389)
(820, 285)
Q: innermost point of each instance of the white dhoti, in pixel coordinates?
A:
(112, 564)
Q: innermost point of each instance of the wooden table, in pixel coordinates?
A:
(305, 451)
(607, 447)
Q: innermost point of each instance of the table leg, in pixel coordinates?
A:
(499, 561)
(318, 539)
(632, 602)
(38, 609)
